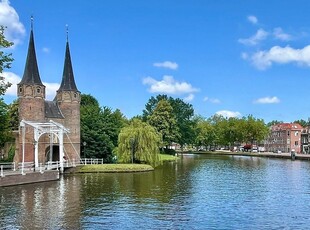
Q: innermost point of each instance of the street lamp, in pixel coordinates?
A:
(132, 141)
(84, 144)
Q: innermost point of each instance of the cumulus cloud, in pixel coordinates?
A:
(281, 55)
(15, 30)
(255, 39)
(280, 35)
(228, 114)
(189, 98)
(212, 100)
(14, 80)
(167, 65)
(252, 19)
(50, 90)
(267, 100)
(169, 85)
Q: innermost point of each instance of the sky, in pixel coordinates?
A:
(235, 58)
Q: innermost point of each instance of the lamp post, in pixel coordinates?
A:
(84, 144)
(132, 140)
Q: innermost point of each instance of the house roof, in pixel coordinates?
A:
(31, 73)
(68, 82)
(52, 110)
(287, 126)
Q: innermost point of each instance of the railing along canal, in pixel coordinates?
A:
(26, 167)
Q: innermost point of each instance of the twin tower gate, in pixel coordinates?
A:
(39, 128)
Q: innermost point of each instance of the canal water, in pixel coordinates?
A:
(196, 192)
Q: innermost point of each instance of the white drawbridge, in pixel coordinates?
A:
(41, 128)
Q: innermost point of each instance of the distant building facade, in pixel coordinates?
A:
(64, 109)
(284, 137)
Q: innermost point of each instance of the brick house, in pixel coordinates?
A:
(284, 137)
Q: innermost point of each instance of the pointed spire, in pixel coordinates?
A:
(31, 73)
(67, 83)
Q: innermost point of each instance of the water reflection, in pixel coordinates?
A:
(197, 192)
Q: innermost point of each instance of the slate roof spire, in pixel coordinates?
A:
(68, 82)
(31, 73)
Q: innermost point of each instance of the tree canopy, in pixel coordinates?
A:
(138, 142)
(99, 129)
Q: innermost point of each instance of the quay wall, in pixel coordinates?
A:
(29, 177)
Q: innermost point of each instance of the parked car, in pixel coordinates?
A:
(254, 149)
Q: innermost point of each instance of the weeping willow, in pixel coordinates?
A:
(138, 142)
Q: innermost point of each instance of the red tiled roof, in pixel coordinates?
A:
(286, 126)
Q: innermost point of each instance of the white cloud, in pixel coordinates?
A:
(167, 64)
(15, 30)
(14, 80)
(281, 55)
(255, 39)
(279, 34)
(46, 50)
(189, 98)
(228, 114)
(212, 100)
(267, 100)
(50, 90)
(252, 19)
(168, 85)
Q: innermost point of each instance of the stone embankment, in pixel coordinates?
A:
(262, 154)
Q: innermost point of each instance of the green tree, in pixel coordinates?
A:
(99, 128)
(5, 63)
(13, 115)
(273, 122)
(138, 142)
(164, 121)
(302, 122)
(255, 130)
(4, 123)
(5, 60)
(205, 135)
(183, 113)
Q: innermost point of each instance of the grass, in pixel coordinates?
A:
(167, 157)
(106, 168)
(114, 168)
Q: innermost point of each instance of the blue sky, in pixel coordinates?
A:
(233, 58)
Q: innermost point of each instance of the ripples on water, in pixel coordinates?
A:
(198, 192)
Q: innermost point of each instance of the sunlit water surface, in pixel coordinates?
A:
(197, 192)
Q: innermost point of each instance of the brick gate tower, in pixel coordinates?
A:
(64, 109)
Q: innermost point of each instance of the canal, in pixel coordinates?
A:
(196, 192)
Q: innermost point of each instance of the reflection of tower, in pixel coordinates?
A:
(64, 109)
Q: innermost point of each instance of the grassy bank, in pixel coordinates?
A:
(106, 168)
(114, 168)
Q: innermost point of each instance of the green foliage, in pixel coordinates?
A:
(138, 142)
(273, 122)
(13, 115)
(5, 60)
(218, 130)
(99, 129)
(5, 132)
(164, 121)
(302, 122)
(183, 113)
